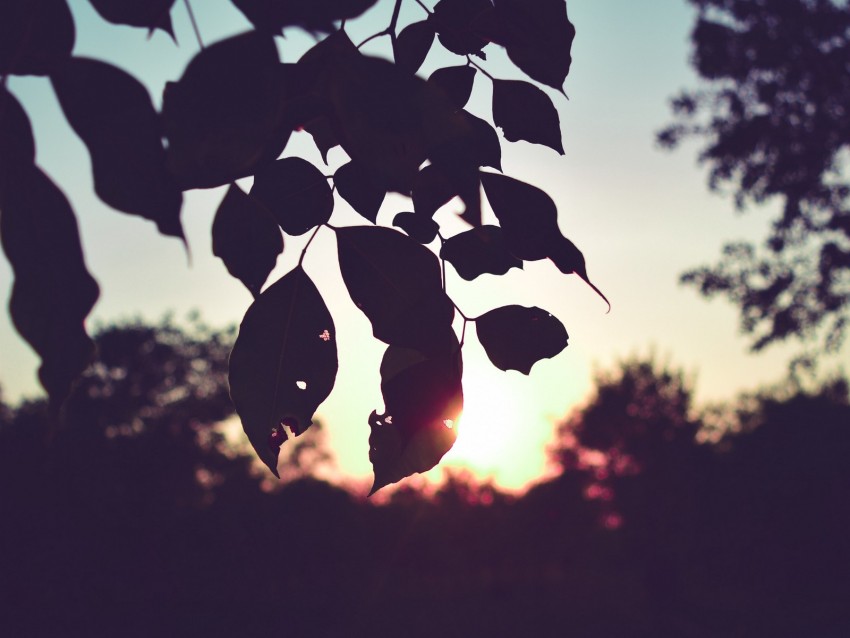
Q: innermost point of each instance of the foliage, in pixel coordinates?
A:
(152, 527)
(230, 116)
(775, 118)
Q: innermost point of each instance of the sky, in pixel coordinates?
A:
(641, 216)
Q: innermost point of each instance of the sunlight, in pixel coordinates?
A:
(489, 430)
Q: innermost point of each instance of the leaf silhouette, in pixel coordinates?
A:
(387, 119)
(396, 283)
(323, 135)
(431, 190)
(453, 19)
(296, 193)
(484, 141)
(16, 138)
(35, 36)
(569, 259)
(419, 227)
(283, 364)
(524, 112)
(538, 38)
(456, 82)
(527, 215)
(423, 398)
(358, 188)
(411, 46)
(224, 118)
(272, 16)
(529, 219)
(53, 291)
(246, 238)
(479, 251)
(516, 337)
(112, 113)
(150, 14)
(458, 161)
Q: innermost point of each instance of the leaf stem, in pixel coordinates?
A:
(307, 245)
(469, 60)
(194, 23)
(427, 10)
(390, 30)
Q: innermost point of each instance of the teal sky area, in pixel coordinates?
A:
(640, 215)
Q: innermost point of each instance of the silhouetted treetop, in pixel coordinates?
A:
(230, 116)
(775, 119)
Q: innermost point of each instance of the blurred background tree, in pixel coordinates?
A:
(773, 113)
(149, 523)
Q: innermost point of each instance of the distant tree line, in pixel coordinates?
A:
(138, 519)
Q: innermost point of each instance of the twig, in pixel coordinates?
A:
(469, 60)
(427, 10)
(194, 24)
(307, 245)
(390, 30)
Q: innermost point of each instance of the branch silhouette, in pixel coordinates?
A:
(229, 116)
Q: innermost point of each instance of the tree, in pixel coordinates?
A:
(774, 115)
(229, 117)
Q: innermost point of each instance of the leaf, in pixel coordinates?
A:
(529, 220)
(224, 118)
(411, 46)
(456, 82)
(457, 160)
(453, 19)
(16, 140)
(150, 14)
(423, 399)
(396, 282)
(35, 36)
(296, 193)
(479, 251)
(53, 291)
(485, 142)
(246, 238)
(524, 112)
(271, 16)
(539, 38)
(569, 259)
(387, 119)
(283, 364)
(323, 135)
(527, 215)
(431, 190)
(516, 337)
(112, 113)
(419, 227)
(359, 189)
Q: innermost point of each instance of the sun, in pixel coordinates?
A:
(490, 432)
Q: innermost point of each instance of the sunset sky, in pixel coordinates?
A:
(640, 215)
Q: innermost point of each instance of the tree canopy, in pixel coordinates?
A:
(230, 116)
(144, 521)
(774, 117)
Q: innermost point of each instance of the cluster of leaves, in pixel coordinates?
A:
(230, 116)
(776, 119)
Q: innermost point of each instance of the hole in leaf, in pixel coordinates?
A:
(302, 385)
(325, 336)
(389, 420)
(449, 423)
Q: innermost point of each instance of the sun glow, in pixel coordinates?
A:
(490, 433)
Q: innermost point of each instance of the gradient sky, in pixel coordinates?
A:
(640, 215)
